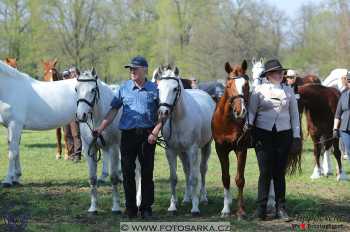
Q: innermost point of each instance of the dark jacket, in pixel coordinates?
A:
(343, 111)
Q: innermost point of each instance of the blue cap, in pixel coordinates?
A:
(136, 62)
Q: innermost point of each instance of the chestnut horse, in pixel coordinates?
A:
(11, 61)
(51, 74)
(320, 103)
(227, 127)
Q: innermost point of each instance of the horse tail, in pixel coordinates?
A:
(294, 160)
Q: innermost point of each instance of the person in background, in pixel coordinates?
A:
(72, 131)
(194, 83)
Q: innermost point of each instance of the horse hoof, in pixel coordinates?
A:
(195, 214)
(225, 215)
(241, 217)
(92, 213)
(116, 212)
(16, 184)
(6, 185)
(172, 213)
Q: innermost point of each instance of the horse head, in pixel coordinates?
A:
(237, 89)
(258, 67)
(50, 71)
(88, 94)
(170, 88)
(11, 61)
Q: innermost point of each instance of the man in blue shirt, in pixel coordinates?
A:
(139, 98)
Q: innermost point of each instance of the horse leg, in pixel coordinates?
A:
(115, 180)
(93, 181)
(240, 181)
(341, 175)
(186, 169)
(225, 176)
(205, 152)
(195, 160)
(59, 144)
(317, 170)
(327, 163)
(105, 173)
(138, 182)
(171, 157)
(14, 137)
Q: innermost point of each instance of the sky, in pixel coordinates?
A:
(290, 6)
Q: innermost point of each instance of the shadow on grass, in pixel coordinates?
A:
(50, 204)
(41, 145)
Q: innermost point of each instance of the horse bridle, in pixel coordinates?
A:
(96, 90)
(232, 98)
(178, 92)
(93, 143)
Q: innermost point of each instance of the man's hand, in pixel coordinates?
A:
(152, 138)
(96, 132)
(336, 133)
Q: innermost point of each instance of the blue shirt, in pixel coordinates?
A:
(140, 106)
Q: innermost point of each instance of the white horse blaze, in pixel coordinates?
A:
(190, 134)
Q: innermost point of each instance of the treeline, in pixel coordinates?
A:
(199, 36)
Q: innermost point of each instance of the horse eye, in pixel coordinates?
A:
(75, 89)
(175, 89)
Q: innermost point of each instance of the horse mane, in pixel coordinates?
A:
(7, 70)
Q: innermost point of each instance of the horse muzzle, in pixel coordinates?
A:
(81, 117)
(240, 115)
(163, 113)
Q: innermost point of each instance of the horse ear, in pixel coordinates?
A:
(176, 71)
(228, 67)
(244, 65)
(7, 59)
(262, 60)
(55, 62)
(253, 60)
(93, 72)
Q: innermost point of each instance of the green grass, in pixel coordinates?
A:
(55, 193)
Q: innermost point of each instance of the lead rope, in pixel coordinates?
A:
(95, 157)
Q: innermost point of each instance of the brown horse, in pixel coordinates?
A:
(227, 128)
(320, 103)
(51, 74)
(11, 61)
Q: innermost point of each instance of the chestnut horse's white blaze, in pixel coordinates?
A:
(187, 131)
(28, 104)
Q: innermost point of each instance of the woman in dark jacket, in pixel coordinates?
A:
(341, 126)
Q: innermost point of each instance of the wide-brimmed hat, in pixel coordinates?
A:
(272, 65)
(291, 73)
(137, 62)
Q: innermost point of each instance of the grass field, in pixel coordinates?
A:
(55, 194)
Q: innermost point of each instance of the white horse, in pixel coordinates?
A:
(28, 104)
(187, 130)
(94, 98)
(257, 69)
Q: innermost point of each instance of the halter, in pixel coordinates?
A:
(93, 143)
(171, 107)
(232, 98)
(96, 90)
(178, 92)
